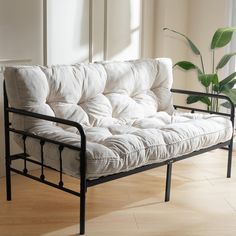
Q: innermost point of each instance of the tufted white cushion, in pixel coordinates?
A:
(124, 107)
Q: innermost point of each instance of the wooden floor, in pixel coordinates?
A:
(203, 202)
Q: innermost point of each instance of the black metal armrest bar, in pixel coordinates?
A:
(201, 110)
(48, 118)
(190, 92)
(220, 96)
(43, 138)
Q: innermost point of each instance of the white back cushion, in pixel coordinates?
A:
(95, 94)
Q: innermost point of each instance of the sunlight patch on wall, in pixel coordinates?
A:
(124, 29)
(68, 31)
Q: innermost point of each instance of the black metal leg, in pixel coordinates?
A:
(83, 189)
(230, 159)
(168, 181)
(83, 183)
(7, 146)
(8, 180)
(82, 213)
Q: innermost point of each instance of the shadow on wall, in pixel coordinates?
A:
(81, 25)
(68, 30)
(118, 24)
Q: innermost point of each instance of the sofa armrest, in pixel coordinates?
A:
(50, 118)
(82, 149)
(220, 96)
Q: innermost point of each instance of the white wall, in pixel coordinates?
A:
(197, 19)
(201, 32)
(124, 28)
(21, 29)
(98, 27)
(20, 38)
(232, 22)
(123, 22)
(68, 31)
(172, 14)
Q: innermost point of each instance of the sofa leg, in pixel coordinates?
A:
(168, 181)
(230, 159)
(7, 146)
(82, 213)
(83, 190)
(8, 180)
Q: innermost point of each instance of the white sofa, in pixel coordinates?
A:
(125, 110)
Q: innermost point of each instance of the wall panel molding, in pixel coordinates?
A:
(105, 31)
(45, 31)
(121, 29)
(90, 30)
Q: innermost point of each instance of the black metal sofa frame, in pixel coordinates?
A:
(85, 183)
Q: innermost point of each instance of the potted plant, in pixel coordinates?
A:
(211, 81)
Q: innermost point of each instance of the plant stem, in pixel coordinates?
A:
(207, 91)
(214, 104)
(212, 98)
(213, 61)
(203, 69)
(215, 100)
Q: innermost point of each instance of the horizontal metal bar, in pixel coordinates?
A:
(21, 156)
(43, 138)
(201, 151)
(45, 182)
(108, 178)
(123, 174)
(201, 110)
(17, 156)
(225, 148)
(190, 92)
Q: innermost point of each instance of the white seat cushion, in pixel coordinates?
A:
(121, 147)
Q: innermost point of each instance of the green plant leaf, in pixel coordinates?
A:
(203, 99)
(231, 93)
(216, 88)
(215, 79)
(187, 65)
(207, 79)
(191, 44)
(222, 37)
(226, 80)
(228, 86)
(224, 60)
(226, 105)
